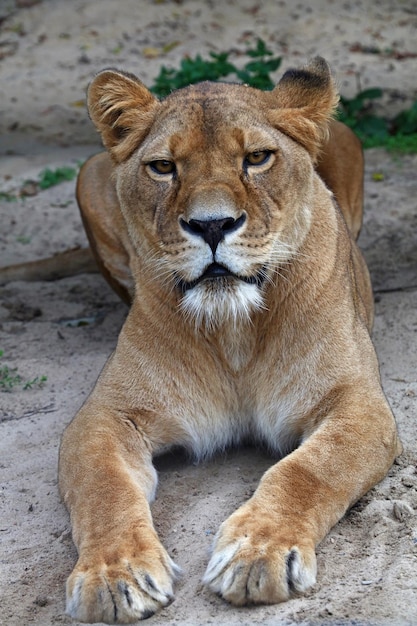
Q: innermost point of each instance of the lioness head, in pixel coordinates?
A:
(215, 182)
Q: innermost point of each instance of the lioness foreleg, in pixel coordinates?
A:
(265, 551)
(107, 480)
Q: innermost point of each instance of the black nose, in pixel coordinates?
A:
(213, 231)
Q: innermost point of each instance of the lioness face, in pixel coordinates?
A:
(206, 200)
(215, 191)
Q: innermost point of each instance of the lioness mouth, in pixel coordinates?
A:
(216, 271)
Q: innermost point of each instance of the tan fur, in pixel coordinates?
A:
(61, 265)
(278, 350)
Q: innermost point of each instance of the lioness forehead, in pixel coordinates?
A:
(217, 96)
(212, 90)
(206, 109)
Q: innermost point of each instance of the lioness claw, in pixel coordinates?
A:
(119, 593)
(258, 568)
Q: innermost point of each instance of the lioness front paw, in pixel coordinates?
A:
(120, 591)
(257, 561)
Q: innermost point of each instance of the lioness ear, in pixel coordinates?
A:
(307, 98)
(122, 109)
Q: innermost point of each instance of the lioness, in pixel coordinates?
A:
(250, 318)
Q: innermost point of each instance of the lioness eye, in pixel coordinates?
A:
(257, 158)
(162, 166)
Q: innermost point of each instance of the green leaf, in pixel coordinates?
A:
(273, 64)
(260, 50)
(373, 126)
(369, 94)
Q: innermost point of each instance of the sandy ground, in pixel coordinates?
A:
(48, 53)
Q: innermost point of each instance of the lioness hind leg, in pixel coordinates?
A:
(341, 166)
(104, 223)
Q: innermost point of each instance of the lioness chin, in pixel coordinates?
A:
(227, 217)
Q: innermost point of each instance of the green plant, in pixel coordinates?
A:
(38, 381)
(405, 123)
(398, 134)
(254, 73)
(49, 178)
(9, 378)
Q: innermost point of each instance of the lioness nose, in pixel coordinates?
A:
(213, 231)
